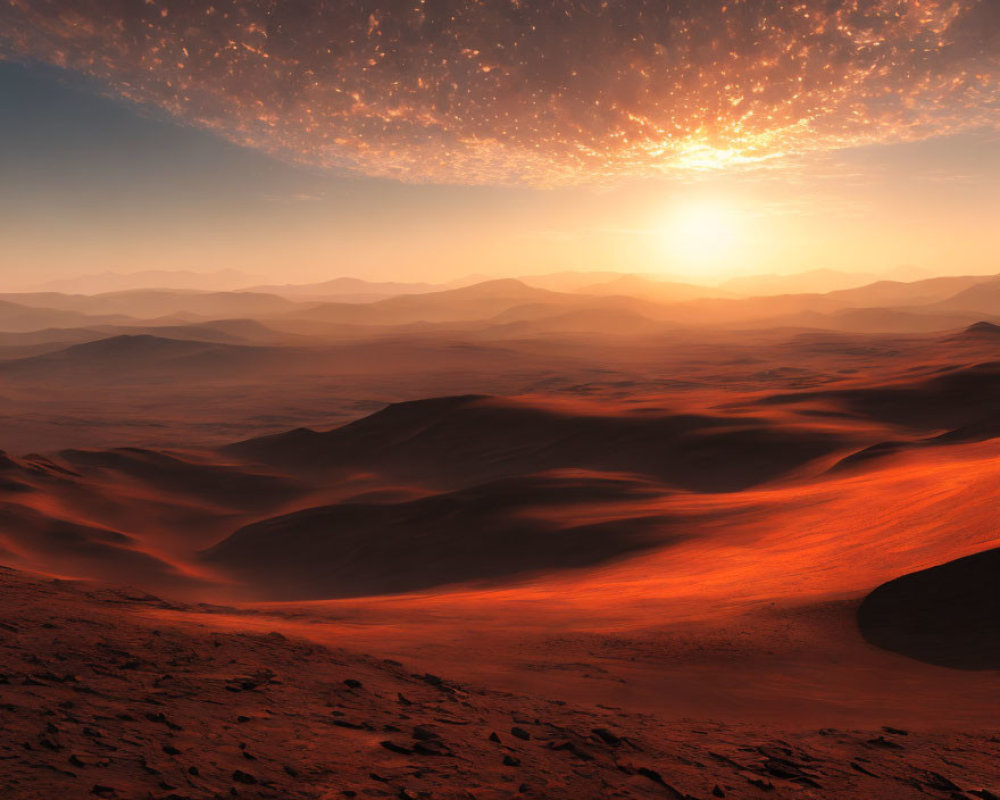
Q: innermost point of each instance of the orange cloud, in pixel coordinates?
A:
(516, 91)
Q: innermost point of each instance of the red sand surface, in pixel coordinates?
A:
(652, 569)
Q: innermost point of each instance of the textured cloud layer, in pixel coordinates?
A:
(501, 91)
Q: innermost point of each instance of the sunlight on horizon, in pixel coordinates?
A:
(702, 240)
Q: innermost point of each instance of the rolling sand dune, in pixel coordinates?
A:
(18, 318)
(176, 476)
(369, 549)
(983, 297)
(958, 397)
(981, 330)
(944, 615)
(460, 440)
(594, 520)
(143, 356)
(34, 539)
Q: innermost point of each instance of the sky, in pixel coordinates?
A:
(433, 139)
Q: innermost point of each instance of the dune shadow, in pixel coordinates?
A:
(486, 533)
(947, 615)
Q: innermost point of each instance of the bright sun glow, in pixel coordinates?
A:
(701, 238)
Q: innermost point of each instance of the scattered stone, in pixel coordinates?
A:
(881, 741)
(607, 736)
(939, 782)
(433, 747)
(656, 777)
(425, 733)
(571, 747)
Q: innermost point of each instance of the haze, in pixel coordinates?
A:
(454, 400)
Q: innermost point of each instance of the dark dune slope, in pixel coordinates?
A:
(74, 548)
(460, 441)
(128, 357)
(954, 399)
(947, 615)
(984, 331)
(177, 476)
(476, 534)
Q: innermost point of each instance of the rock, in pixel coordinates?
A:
(656, 777)
(425, 733)
(239, 776)
(607, 736)
(940, 783)
(161, 719)
(881, 741)
(392, 747)
(520, 733)
(434, 747)
(511, 761)
(343, 723)
(571, 747)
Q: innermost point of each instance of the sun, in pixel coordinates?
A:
(701, 238)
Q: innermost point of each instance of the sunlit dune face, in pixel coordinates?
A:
(534, 92)
(701, 239)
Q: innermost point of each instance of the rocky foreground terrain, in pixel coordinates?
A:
(112, 693)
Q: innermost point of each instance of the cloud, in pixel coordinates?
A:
(540, 93)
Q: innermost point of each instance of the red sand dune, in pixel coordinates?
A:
(630, 534)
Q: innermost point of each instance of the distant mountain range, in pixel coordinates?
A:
(615, 305)
(220, 280)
